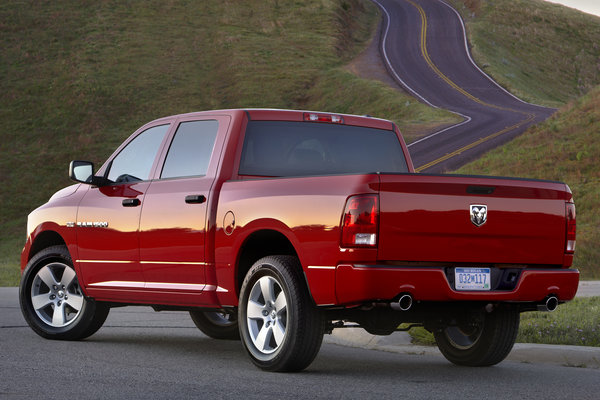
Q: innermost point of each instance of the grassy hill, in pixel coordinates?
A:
(542, 52)
(566, 148)
(77, 77)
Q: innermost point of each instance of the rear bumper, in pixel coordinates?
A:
(359, 283)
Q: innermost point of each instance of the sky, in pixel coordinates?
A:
(588, 6)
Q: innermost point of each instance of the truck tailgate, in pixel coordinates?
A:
(427, 218)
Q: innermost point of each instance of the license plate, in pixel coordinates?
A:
(472, 278)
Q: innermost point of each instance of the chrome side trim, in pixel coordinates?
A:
(105, 261)
(119, 284)
(174, 262)
(142, 262)
(150, 285)
(176, 286)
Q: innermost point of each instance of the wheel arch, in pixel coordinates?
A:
(43, 240)
(259, 244)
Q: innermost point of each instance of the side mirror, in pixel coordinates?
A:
(83, 171)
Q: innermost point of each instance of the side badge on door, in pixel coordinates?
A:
(478, 214)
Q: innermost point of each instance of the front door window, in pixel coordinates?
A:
(108, 217)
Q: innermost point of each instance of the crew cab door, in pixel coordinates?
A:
(173, 225)
(108, 216)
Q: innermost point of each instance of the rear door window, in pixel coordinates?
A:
(190, 151)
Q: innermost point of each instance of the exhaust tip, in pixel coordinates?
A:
(549, 304)
(404, 303)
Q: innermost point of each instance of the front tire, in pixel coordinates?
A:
(52, 301)
(280, 327)
(484, 341)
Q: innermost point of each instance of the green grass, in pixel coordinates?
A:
(420, 336)
(575, 323)
(78, 77)
(542, 52)
(566, 148)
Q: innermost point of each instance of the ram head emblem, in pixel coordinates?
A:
(478, 214)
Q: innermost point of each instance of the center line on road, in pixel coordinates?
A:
(470, 146)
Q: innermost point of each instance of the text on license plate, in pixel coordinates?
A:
(472, 278)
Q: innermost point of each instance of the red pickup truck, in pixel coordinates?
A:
(276, 227)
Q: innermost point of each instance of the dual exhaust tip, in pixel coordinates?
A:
(405, 303)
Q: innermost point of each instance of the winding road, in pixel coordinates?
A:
(425, 50)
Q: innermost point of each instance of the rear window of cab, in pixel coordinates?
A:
(284, 149)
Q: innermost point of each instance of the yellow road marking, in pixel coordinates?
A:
(425, 53)
(470, 146)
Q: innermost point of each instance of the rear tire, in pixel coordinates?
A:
(52, 301)
(280, 327)
(484, 341)
(216, 325)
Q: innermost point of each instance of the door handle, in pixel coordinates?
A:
(195, 199)
(131, 202)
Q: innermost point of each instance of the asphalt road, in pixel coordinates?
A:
(425, 51)
(141, 354)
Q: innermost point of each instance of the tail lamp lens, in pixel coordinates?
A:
(571, 228)
(360, 221)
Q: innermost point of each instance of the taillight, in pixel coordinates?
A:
(571, 227)
(360, 221)
(314, 117)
